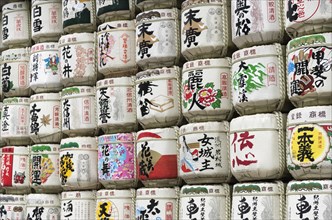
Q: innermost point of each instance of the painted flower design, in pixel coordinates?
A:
(207, 96)
(187, 93)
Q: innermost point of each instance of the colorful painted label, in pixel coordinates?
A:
(77, 12)
(114, 209)
(116, 160)
(200, 92)
(44, 162)
(201, 155)
(15, 169)
(309, 70)
(156, 158)
(116, 48)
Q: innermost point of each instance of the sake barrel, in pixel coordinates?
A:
(45, 206)
(257, 22)
(258, 200)
(117, 160)
(205, 29)
(309, 199)
(14, 68)
(257, 147)
(78, 205)
(259, 79)
(309, 70)
(46, 20)
(157, 203)
(15, 121)
(116, 48)
(309, 142)
(208, 202)
(204, 153)
(119, 204)
(44, 168)
(12, 207)
(158, 97)
(78, 163)
(206, 92)
(15, 169)
(116, 108)
(78, 16)
(16, 24)
(307, 17)
(145, 5)
(78, 111)
(45, 118)
(157, 153)
(110, 10)
(158, 38)
(78, 59)
(44, 68)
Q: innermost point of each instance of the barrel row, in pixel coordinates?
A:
(250, 148)
(263, 200)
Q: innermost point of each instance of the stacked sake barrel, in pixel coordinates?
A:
(169, 108)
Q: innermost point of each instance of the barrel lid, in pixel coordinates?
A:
(309, 187)
(258, 188)
(20, 150)
(252, 122)
(16, 101)
(10, 199)
(311, 114)
(207, 63)
(256, 51)
(117, 25)
(44, 148)
(309, 41)
(16, 54)
(15, 6)
(157, 134)
(115, 82)
(157, 193)
(117, 138)
(45, 1)
(78, 195)
(43, 200)
(203, 190)
(40, 47)
(159, 73)
(204, 127)
(191, 3)
(78, 143)
(157, 14)
(76, 38)
(45, 97)
(115, 194)
(77, 91)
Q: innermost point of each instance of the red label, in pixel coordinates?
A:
(169, 211)
(271, 11)
(22, 70)
(56, 115)
(86, 111)
(7, 167)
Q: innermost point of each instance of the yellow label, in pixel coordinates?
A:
(105, 210)
(309, 145)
